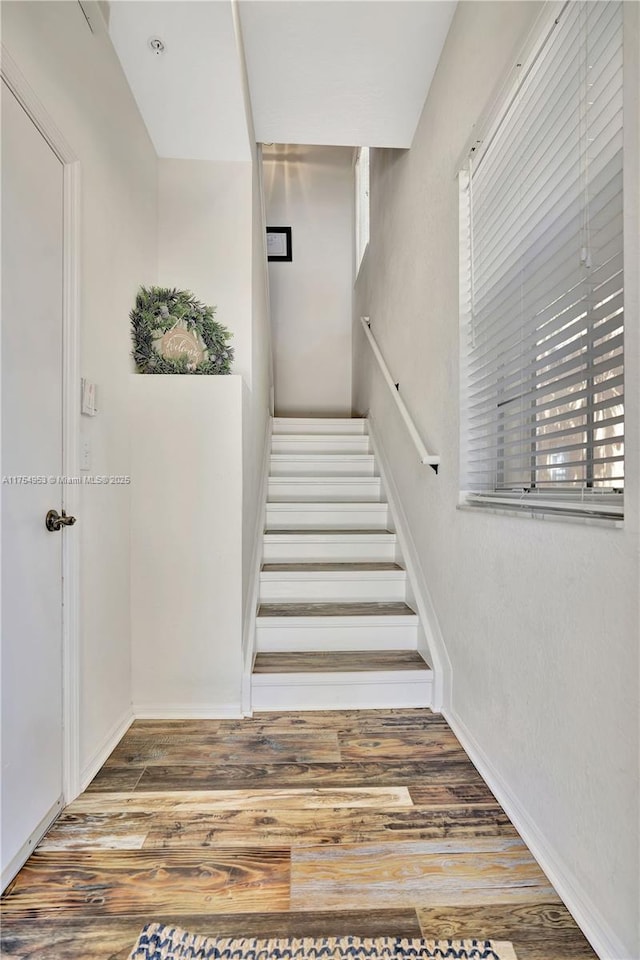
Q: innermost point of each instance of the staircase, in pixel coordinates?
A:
(334, 629)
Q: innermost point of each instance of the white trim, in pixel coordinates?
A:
(35, 109)
(187, 711)
(105, 749)
(251, 608)
(437, 654)
(71, 493)
(17, 862)
(265, 269)
(584, 911)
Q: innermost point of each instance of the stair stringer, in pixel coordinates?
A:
(252, 602)
(433, 646)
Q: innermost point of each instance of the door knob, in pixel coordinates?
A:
(55, 521)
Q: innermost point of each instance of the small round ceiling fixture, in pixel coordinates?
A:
(156, 45)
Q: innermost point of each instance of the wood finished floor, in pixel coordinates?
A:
(341, 661)
(390, 608)
(302, 824)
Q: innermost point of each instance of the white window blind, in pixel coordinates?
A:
(542, 279)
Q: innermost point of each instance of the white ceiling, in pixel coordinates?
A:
(191, 96)
(341, 72)
(351, 72)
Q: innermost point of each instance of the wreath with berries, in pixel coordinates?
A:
(175, 333)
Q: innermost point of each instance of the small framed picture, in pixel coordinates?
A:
(279, 244)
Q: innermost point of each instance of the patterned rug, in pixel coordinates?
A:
(157, 942)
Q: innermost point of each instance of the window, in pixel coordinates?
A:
(542, 279)
(362, 204)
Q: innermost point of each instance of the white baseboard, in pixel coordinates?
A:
(584, 911)
(187, 711)
(108, 744)
(251, 609)
(437, 652)
(18, 861)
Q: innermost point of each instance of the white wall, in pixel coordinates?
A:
(540, 619)
(186, 548)
(204, 241)
(310, 189)
(258, 396)
(77, 76)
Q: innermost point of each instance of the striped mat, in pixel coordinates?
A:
(158, 942)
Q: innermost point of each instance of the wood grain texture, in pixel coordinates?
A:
(543, 930)
(294, 721)
(111, 938)
(183, 803)
(339, 662)
(278, 827)
(412, 746)
(96, 831)
(485, 870)
(397, 834)
(141, 882)
(441, 770)
(279, 748)
(390, 608)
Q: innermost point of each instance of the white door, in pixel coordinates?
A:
(32, 354)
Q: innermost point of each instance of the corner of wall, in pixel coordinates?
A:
(436, 647)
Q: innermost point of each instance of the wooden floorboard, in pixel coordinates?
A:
(390, 608)
(427, 773)
(370, 823)
(365, 661)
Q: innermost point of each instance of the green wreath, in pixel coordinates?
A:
(175, 333)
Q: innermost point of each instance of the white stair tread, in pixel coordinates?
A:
(345, 571)
(351, 479)
(343, 506)
(321, 458)
(342, 536)
(325, 437)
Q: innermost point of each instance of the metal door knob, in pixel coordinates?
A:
(55, 521)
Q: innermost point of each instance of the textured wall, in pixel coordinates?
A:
(310, 189)
(540, 618)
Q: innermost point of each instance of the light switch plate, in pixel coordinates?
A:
(88, 398)
(85, 455)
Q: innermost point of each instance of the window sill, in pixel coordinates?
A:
(533, 513)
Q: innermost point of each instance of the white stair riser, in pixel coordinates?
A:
(302, 638)
(314, 516)
(324, 488)
(340, 691)
(308, 590)
(284, 425)
(322, 465)
(287, 551)
(319, 444)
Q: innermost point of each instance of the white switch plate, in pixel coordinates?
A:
(88, 398)
(85, 455)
